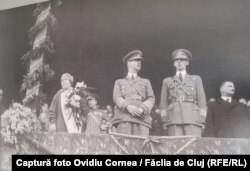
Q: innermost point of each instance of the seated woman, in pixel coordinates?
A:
(61, 117)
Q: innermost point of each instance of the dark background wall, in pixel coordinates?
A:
(14, 42)
(93, 36)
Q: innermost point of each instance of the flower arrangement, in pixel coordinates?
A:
(77, 100)
(16, 120)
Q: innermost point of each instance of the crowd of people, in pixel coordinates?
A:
(183, 109)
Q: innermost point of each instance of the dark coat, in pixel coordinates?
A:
(156, 127)
(228, 120)
(56, 116)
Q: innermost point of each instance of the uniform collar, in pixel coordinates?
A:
(130, 75)
(184, 73)
(185, 77)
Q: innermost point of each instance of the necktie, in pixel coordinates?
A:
(180, 76)
(228, 100)
(132, 77)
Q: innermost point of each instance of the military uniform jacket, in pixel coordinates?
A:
(184, 102)
(136, 92)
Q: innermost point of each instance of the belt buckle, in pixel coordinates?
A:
(182, 98)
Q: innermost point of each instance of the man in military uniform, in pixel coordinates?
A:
(183, 100)
(134, 98)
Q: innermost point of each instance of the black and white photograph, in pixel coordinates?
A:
(134, 77)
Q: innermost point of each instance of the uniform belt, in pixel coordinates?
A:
(184, 99)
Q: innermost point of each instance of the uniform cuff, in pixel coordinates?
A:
(145, 109)
(124, 105)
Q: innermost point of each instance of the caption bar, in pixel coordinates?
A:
(79, 161)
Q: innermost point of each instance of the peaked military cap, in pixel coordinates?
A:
(136, 54)
(181, 53)
(93, 96)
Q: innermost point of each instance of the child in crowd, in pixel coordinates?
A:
(98, 120)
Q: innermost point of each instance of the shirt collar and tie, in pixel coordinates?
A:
(132, 76)
(227, 99)
(181, 75)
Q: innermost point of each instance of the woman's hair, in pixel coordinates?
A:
(70, 77)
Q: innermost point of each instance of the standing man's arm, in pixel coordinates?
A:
(118, 98)
(164, 98)
(209, 124)
(150, 101)
(201, 98)
(122, 103)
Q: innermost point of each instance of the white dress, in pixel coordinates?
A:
(68, 116)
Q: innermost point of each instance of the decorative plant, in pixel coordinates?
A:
(46, 48)
(41, 74)
(49, 21)
(40, 7)
(35, 102)
(16, 120)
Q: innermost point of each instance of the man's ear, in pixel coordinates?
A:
(175, 63)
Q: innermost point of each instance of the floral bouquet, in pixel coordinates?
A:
(77, 101)
(16, 120)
